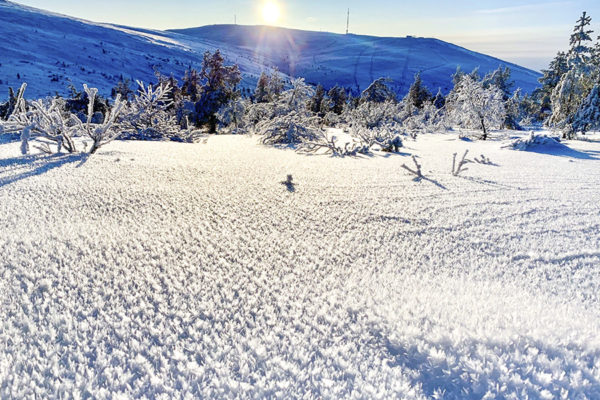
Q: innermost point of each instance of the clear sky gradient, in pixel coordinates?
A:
(526, 32)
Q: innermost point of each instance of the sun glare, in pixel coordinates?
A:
(271, 12)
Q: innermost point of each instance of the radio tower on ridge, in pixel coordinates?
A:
(348, 22)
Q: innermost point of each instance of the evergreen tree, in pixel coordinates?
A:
(219, 88)
(439, 101)
(566, 99)
(418, 94)
(337, 99)
(378, 92)
(588, 115)
(457, 76)
(192, 85)
(261, 93)
(276, 85)
(501, 78)
(580, 52)
(123, 88)
(314, 104)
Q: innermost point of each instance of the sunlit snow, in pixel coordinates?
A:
(170, 270)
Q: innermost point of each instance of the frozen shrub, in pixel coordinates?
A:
(534, 140)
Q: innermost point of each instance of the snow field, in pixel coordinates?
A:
(177, 270)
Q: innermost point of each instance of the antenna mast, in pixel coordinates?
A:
(348, 22)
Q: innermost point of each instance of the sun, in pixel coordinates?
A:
(271, 12)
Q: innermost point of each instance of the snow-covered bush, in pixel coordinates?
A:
(46, 122)
(231, 116)
(387, 137)
(106, 131)
(288, 120)
(534, 140)
(370, 114)
(147, 116)
(331, 145)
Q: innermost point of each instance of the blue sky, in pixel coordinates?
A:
(526, 32)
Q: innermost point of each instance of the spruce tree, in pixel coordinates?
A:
(314, 104)
(337, 99)
(220, 86)
(418, 94)
(261, 93)
(580, 52)
(439, 101)
(378, 92)
(276, 85)
(587, 117)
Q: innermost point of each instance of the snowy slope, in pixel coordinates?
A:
(164, 269)
(49, 51)
(355, 61)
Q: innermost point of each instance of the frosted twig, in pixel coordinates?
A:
(458, 169)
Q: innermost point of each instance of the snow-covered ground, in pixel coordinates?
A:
(174, 270)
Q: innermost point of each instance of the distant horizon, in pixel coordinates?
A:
(528, 35)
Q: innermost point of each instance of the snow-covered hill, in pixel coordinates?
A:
(49, 51)
(355, 61)
(167, 270)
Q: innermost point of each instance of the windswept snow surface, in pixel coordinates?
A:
(175, 271)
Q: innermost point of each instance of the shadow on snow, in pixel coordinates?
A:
(18, 168)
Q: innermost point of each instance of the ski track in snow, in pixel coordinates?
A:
(173, 270)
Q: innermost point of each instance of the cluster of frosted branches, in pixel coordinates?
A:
(232, 116)
(45, 122)
(148, 116)
(286, 120)
(108, 130)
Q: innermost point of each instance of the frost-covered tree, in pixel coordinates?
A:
(378, 92)
(566, 99)
(473, 106)
(418, 94)
(580, 52)
(372, 115)
(501, 78)
(337, 99)
(550, 79)
(587, 117)
(220, 86)
(261, 93)
(315, 102)
(439, 100)
(276, 85)
(192, 85)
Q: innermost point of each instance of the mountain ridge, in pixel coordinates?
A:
(51, 51)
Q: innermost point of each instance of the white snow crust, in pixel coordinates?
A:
(166, 270)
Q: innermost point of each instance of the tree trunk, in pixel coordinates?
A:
(485, 134)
